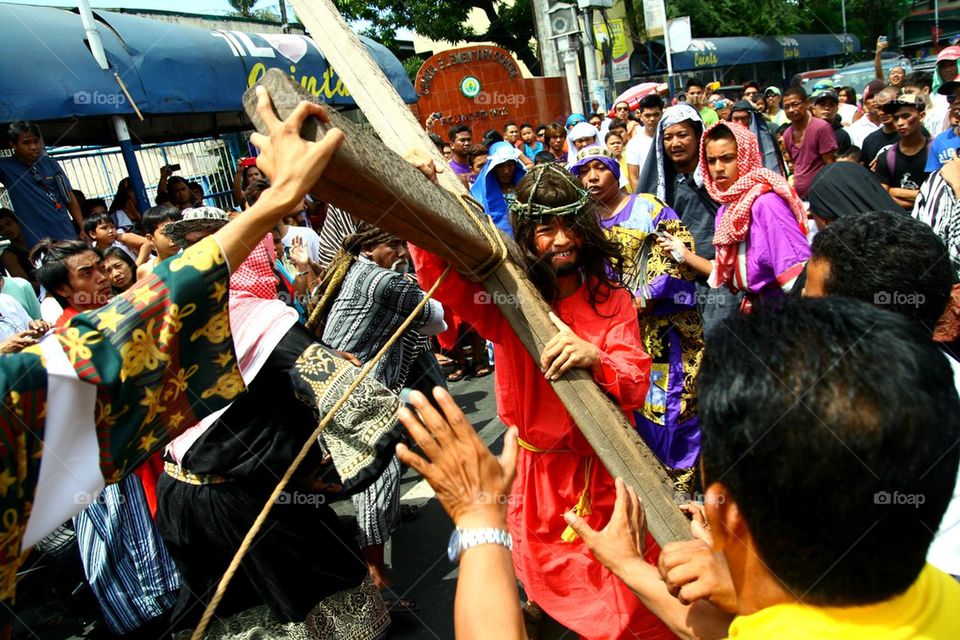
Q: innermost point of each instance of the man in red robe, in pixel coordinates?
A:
(573, 265)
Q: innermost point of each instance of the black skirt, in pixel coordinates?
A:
(301, 555)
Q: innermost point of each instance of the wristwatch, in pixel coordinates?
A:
(463, 539)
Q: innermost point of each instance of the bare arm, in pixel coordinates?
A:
(828, 158)
(473, 486)
(877, 64)
(633, 175)
(162, 184)
(904, 197)
(144, 255)
(238, 188)
(620, 547)
(132, 240)
(671, 246)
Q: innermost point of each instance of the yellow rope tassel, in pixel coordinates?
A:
(582, 508)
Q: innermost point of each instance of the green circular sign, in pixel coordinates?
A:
(470, 86)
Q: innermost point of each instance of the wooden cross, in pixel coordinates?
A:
(368, 178)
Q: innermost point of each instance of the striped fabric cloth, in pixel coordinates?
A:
(338, 225)
(937, 206)
(126, 564)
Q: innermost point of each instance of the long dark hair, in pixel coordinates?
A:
(600, 259)
(121, 197)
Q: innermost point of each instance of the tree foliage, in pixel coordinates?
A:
(412, 66)
(243, 8)
(866, 19)
(511, 25)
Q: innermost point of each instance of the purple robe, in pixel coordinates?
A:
(774, 252)
(671, 329)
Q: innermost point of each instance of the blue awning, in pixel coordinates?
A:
(706, 53)
(168, 69)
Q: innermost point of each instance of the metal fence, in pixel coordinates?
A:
(97, 171)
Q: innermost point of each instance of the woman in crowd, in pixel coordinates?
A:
(123, 209)
(119, 268)
(760, 238)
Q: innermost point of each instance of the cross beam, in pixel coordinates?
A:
(368, 178)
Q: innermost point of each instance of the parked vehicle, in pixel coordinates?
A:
(859, 74)
(807, 79)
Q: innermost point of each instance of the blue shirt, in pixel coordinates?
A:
(531, 152)
(40, 195)
(942, 149)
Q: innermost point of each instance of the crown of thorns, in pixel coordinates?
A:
(535, 209)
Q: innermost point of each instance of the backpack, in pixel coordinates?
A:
(892, 156)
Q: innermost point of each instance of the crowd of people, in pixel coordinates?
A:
(767, 288)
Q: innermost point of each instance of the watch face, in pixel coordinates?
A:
(453, 547)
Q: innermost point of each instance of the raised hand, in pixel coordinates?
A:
(292, 164)
(623, 540)
(471, 483)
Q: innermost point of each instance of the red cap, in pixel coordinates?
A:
(949, 53)
(248, 162)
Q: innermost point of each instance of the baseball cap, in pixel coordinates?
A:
(915, 102)
(773, 90)
(949, 88)
(825, 94)
(949, 53)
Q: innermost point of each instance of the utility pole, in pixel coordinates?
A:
(595, 90)
(284, 25)
(568, 49)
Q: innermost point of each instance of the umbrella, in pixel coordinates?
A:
(634, 94)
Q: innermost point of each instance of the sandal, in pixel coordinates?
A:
(444, 361)
(456, 375)
(483, 370)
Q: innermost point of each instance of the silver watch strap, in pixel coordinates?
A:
(475, 537)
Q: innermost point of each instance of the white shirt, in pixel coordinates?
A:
(859, 130)
(13, 317)
(847, 113)
(310, 240)
(936, 120)
(637, 148)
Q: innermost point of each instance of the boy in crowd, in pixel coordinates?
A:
(102, 233)
(902, 167)
(531, 145)
(154, 220)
